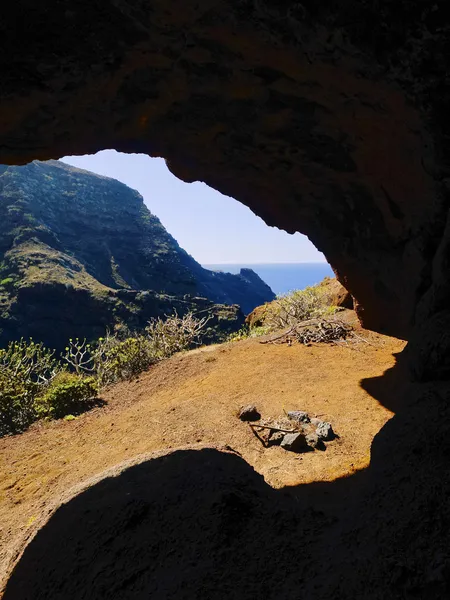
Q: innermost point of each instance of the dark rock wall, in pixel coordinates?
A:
(326, 118)
(329, 118)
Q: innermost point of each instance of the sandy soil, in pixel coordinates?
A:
(193, 399)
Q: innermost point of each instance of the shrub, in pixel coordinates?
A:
(79, 356)
(67, 394)
(34, 384)
(175, 333)
(6, 282)
(116, 359)
(310, 303)
(25, 368)
(30, 362)
(247, 332)
(17, 409)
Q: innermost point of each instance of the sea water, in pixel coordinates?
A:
(282, 277)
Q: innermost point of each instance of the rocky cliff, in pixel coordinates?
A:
(81, 252)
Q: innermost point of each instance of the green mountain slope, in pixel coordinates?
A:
(80, 252)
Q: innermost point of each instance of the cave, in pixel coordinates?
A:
(329, 119)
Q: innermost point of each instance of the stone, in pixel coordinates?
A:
(275, 438)
(295, 442)
(315, 421)
(313, 441)
(300, 416)
(249, 413)
(325, 431)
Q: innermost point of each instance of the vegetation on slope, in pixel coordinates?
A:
(80, 253)
(287, 310)
(35, 384)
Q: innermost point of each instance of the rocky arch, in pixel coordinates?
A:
(321, 117)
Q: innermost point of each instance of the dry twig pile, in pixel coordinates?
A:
(313, 331)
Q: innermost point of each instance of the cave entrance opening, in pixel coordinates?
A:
(219, 232)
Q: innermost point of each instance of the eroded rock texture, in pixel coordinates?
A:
(322, 117)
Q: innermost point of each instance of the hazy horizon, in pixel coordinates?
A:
(284, 262)
(211, 227)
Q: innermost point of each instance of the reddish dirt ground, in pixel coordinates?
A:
(193, 398)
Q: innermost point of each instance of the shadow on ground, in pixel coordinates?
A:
(201, 524)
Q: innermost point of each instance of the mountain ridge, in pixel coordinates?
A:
(92, 236)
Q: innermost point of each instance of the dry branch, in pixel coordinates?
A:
(314, 331)
(273, 428)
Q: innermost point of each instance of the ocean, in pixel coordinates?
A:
(282, 277)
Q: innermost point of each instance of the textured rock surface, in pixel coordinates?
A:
(295, 442)
(325, 431)
(325, 118)
(339, 296)
(428, 351)
(80, 252)
(249, 413)
(299, 416)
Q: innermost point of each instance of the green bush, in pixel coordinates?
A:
(7, 281)
(34, 384)
(122, 359)
(67, 394)
(116, 360)
(301, 305)
(25, 368)
(29, 362)
(247, 332)
(17, 410)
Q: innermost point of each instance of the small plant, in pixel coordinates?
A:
(248, 332)
(175, 333)
(259, 331)
(6, 282)
(240, 335)
(67, 394)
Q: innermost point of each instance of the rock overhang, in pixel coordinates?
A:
(321, 119)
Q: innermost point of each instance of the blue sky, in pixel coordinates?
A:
(213, 228)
